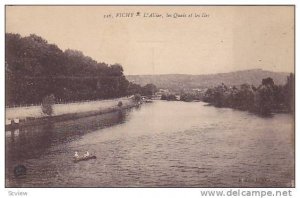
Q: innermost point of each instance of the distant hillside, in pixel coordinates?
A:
(185, 81)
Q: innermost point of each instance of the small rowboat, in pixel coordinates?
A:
(75, 160)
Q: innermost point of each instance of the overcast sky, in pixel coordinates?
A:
(229, 39)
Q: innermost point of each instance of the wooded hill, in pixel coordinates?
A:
(184, 81)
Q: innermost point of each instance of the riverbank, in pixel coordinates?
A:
(34, 115)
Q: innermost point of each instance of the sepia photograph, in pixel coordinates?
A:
(155, 96)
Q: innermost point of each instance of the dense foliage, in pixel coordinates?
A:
(169, 97)
(147, 90)
(188, 97)
(264, 99)
(36, 69)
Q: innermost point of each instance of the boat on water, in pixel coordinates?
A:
(78, 159)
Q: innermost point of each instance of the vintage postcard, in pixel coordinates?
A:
(149, 96)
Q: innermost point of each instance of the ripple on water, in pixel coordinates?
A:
(163, 144)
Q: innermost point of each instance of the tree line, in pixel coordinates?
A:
(36, 69)
(264, 99)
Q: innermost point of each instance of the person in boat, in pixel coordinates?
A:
(76, 155)
(87, 154)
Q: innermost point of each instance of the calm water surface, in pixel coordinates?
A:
(160, 144)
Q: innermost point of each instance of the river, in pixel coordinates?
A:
(159, 144)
